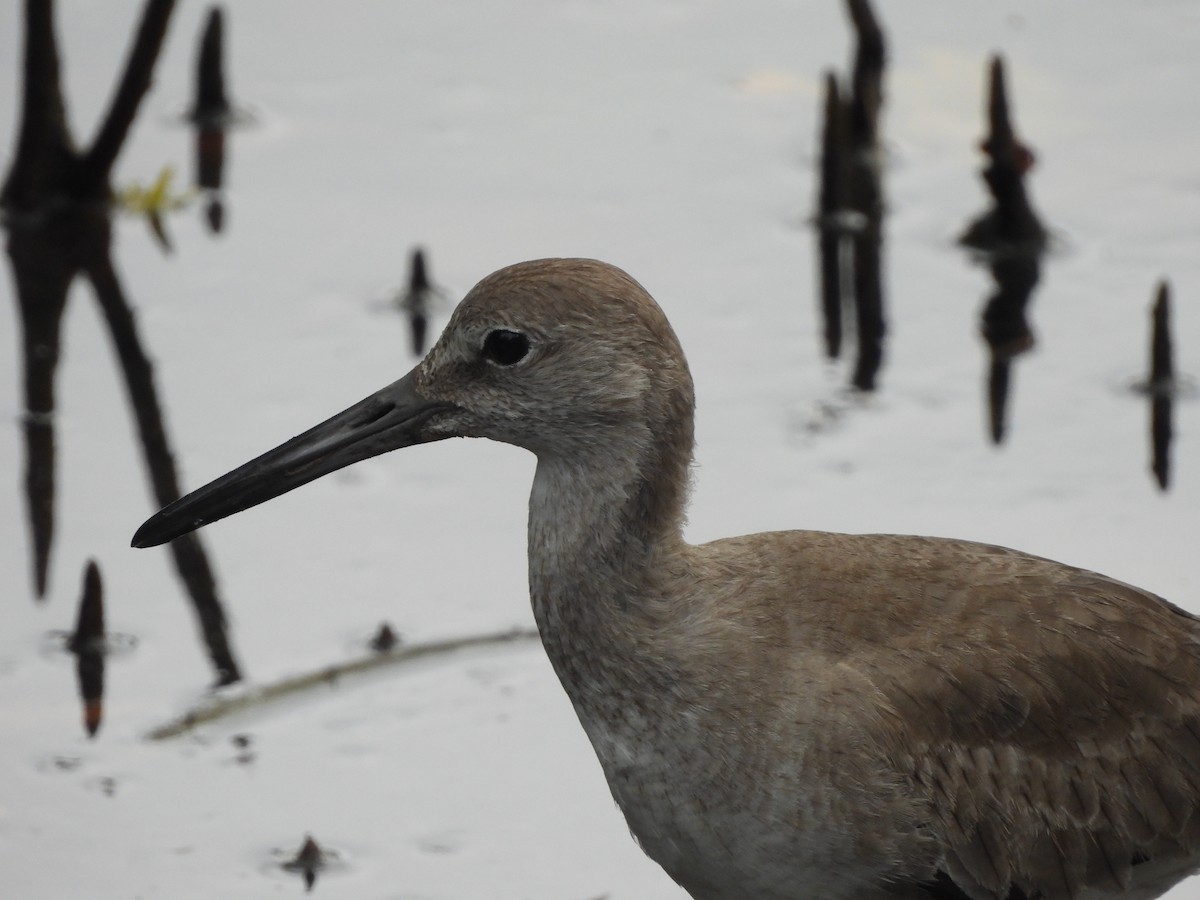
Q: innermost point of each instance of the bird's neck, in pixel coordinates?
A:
(599, 526)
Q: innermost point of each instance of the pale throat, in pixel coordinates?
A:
(591, 584)
(581, 517)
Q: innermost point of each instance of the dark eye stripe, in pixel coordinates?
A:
(505, 347)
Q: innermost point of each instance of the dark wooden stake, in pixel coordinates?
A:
(866, 192)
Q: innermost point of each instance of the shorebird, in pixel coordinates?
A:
(792, 714)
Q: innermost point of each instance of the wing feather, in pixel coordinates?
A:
(1050, 716)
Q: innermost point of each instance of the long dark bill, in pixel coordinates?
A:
(387, 420)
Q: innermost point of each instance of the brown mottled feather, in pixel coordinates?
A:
(1046, 715)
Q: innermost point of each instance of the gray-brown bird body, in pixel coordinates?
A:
(793, 714)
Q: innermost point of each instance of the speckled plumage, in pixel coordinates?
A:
(794, 714)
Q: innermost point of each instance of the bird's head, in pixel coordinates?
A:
(566, 357)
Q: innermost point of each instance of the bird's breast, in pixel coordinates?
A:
(721, 820)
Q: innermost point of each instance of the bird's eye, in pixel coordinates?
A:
(504, 347)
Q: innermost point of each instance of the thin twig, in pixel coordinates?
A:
(224, 706)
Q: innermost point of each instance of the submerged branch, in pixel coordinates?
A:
(222, 707)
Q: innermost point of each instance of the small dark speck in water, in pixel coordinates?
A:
(105, 784)
(385, 639)
(60, 763)
(245, 752)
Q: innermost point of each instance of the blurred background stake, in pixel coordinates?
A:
(831, 220)
(1010, 225)
(211, 114)
(849, 219)
(866, 191)
(1162, 363)
(1161, 387)
(419, 300)
(211, 103)
(88, 643)
(307, 862)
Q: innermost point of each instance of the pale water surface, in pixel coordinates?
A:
(676, 140)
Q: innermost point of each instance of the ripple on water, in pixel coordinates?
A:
(57, 643)
(57, 763)
(309, 860)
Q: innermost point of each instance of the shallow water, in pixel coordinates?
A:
(676, 140)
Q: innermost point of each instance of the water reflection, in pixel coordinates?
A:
(1006, 329)
(57, 213)
(849, 221)
(1010, 239)
(416, 302)
(833, 222)
(419, 301)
